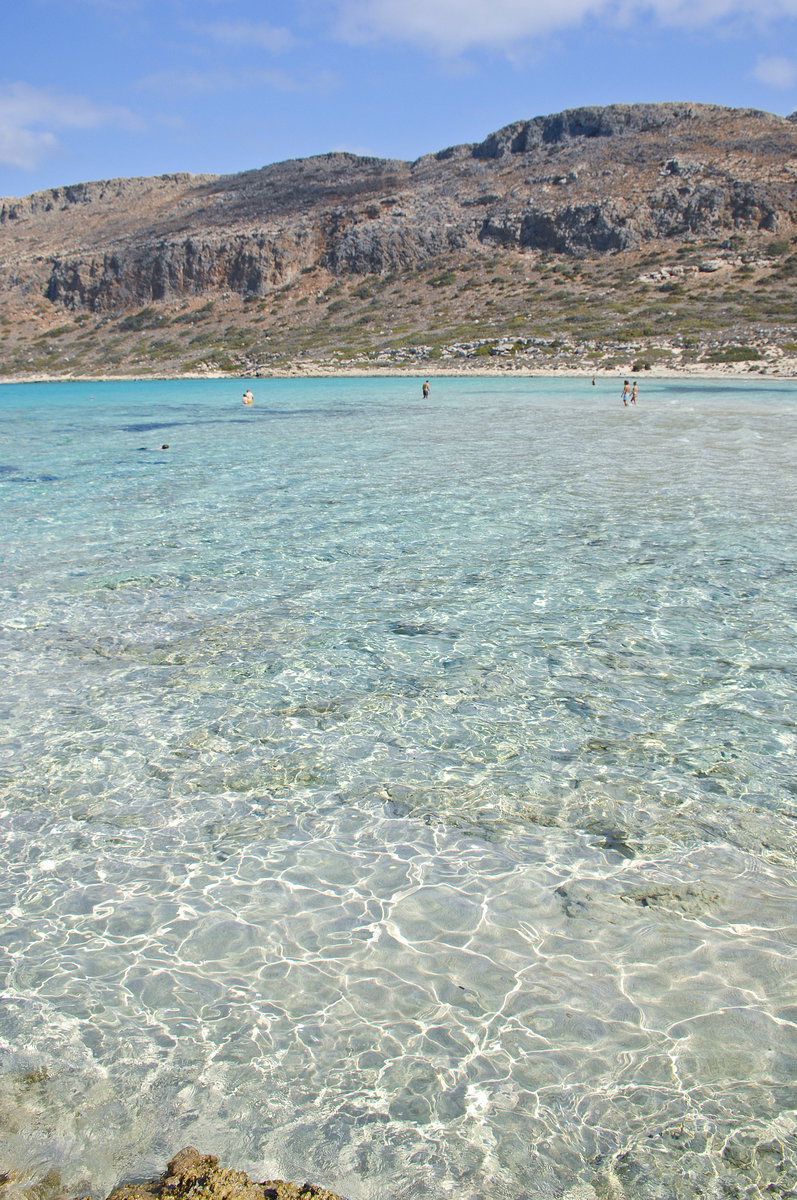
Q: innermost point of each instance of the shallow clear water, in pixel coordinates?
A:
(401, 795)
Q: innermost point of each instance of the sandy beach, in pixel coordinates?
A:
(785, 369)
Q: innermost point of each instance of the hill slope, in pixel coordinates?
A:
(597, 235)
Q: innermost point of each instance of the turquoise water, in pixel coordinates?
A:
(401, 795)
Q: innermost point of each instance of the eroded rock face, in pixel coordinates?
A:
(592, 122)
(586, 181)
(159, 269)
(194, 1176)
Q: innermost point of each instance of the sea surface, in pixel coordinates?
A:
(401, 795)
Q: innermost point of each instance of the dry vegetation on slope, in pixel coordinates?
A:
(602, 238)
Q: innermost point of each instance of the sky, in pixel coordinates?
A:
(98, 89)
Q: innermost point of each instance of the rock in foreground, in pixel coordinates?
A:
(199, 1177)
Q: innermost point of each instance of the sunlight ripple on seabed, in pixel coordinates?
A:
(401, 797)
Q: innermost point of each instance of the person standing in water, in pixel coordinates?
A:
(247, 397)
(626, 393)
(425, 390)
(634, 393)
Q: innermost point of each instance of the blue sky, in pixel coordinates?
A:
(94, 89)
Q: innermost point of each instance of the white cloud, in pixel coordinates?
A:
(197, 83)
(22, 147)
(453, 26)
(30, 118)
(250, 35)
(777, 71)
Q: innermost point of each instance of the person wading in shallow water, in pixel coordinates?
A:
(626, 393)
(425, 390)
(634, 393)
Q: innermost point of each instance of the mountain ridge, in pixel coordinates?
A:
(589, 186)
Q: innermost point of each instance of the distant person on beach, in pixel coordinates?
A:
(425, 390)
(626, 393)
(247, 397)
(634, 393)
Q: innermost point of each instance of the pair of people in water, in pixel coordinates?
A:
(629, 394)
(247, 397)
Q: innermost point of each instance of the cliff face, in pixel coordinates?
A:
(591, 180)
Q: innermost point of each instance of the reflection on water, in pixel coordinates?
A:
(402, 795)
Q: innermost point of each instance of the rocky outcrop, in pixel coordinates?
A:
(375, 247)
(92, 197)
(611, 121)
(586, 181)
(194, 1176)
(571, 230)
(166, 268)
(703, 210)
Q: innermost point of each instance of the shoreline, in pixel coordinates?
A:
(439, 371)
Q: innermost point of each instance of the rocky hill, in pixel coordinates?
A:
(597, 234)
